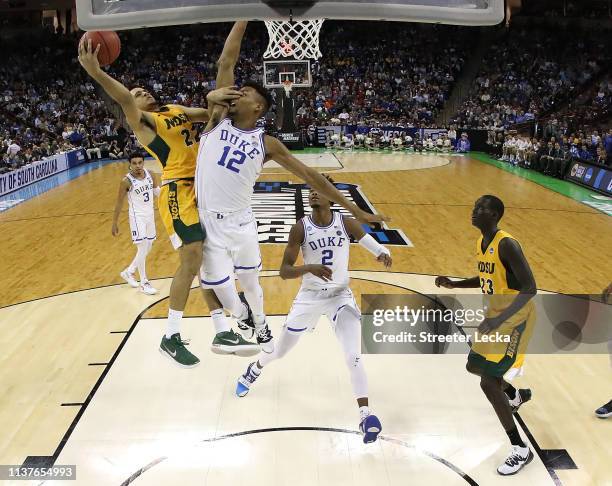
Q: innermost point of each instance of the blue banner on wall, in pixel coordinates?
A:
(76, 157)
(593, 176)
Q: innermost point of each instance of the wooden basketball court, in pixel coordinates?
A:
(83, 382)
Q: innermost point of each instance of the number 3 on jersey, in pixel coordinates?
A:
(237, 159)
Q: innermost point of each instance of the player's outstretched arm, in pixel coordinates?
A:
(466, 283)
(89, 60)
(355, 230)
(124, 187)
(279, 153)
(218, 113)
(222, 96)
(156, 184)
(229, 56)
(288, 269)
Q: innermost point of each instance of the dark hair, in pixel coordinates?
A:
(261, 91)
(134, 155)
(495, 204)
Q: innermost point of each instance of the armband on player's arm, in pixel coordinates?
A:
(156, 191)
(373, 246)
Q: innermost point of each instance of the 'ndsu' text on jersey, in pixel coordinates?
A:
(327, 245)
(228, 165)
(175, 144)
(140, 195)
(498, 284)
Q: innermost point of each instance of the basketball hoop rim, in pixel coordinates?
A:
(287, 86)
(298, 39)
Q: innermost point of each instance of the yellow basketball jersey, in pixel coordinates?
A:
(495, 279)
(175, 145)
(500, 287)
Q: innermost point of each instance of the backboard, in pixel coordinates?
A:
(131, 14)
(277, 71)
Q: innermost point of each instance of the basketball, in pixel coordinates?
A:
(110, 45)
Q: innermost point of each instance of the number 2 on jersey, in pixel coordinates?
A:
(238, 159)
(327, 257)
(187, 134)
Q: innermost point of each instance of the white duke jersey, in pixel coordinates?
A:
(229, 163)
(140, 195)
(329, 245)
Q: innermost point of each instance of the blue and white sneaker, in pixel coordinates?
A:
(604, 411)
(370, 428)
(246, 380)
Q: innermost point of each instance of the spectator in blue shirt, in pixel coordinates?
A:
(585, 154)
(463, 145)
(607, 142)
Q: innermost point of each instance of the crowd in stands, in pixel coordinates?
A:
(398, 74)
(553, 153)
(48, 105)
(530, 72)
(396, 141)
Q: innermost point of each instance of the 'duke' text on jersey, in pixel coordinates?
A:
(326, 242)
(141, 189)
(240, 143)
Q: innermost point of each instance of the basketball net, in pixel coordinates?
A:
(298, 39)
(287, 85)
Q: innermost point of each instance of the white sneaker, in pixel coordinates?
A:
(147, 288)
(129, 278)
(264, 338)
(517, 460)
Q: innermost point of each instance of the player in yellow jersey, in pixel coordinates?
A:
(167, 133)
(506, 280)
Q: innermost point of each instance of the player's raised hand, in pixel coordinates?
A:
(321, 271)
(115, 229)
(385, 259)
(444, 282)
(370, 219)
(223, 96)
(88, 57)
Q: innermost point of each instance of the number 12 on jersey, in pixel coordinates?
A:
(237, 159)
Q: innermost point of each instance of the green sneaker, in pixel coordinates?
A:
(174, 348)
(230, 342)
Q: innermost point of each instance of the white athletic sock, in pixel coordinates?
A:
(143, 251)
(363, 412)
(254, 295)
(220, 321)
(131, 269)
(348, 329)
(228, 296)
(174, 322)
